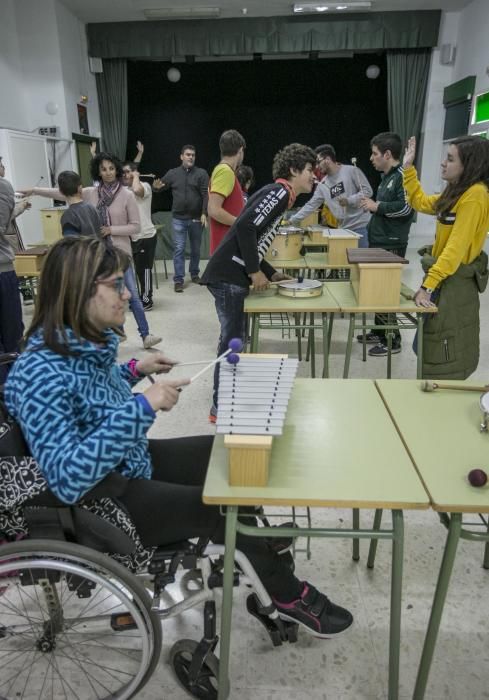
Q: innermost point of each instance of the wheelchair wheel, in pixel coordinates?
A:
(205, 685)
(73, 624)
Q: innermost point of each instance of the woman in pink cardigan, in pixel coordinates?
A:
(119, 217)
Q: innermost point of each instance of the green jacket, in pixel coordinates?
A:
(389, 226)
(451, 336)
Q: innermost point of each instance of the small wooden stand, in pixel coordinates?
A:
(51, 223)
(249, 457)
(28, 263)
(376, 276)
(339, 241)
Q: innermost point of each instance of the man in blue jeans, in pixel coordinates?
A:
(189, 188)
(239, 261)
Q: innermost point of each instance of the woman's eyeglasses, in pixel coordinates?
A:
(118, 284)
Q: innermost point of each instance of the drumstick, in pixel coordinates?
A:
(147, 175)
(357, 176)
(299, 279)
(432, 386)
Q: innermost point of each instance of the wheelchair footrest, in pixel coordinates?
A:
(278, 630)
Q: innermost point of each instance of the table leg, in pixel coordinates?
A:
(255, 327)
(389, 336)
(373, 542)
(396, 602)
(419, 364)
(349, 343)
(227, 602)
(364, 339)
(356, 542)
(441, 590)
(313, 345)
(326, 341)
(298, 332)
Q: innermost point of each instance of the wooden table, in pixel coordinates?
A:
(338, 473)
(412, 318)
(452, 419)
(270, 302)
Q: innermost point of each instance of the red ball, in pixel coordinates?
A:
(477, 477)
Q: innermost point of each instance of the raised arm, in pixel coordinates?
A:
(316, 202)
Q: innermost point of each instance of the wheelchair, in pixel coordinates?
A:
(77, 623)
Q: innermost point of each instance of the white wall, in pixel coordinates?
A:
(43, 59)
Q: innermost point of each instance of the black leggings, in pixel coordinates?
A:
(169, 508)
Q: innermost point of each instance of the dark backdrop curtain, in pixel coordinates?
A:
(112, 99)
(407, 78)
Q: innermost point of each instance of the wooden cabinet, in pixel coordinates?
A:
(51, 223)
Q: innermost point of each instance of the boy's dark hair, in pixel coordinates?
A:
(187, 147)
(245, 174)
(230, 142)
(131, 164)
(69, 182)
(388, 141)
(326, 150)
(97, 161)
(294, 156)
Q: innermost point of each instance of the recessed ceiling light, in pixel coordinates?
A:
(346, 6)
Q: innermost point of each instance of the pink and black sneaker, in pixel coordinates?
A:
(316, 613)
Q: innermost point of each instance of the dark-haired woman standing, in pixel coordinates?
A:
(119, 217)
(456, 265)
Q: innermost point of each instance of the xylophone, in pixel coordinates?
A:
(252, 405)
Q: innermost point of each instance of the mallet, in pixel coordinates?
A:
(432, 386)
(299, 279)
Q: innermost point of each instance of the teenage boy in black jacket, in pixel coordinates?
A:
(239, 260)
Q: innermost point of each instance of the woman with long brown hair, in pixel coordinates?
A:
(455, 265)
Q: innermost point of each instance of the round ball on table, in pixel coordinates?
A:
(477, 477)
(235, 344)
(232, 358)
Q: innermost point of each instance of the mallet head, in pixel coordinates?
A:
(428, 386)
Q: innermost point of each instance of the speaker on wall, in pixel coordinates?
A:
(95, 65)
(448, 53)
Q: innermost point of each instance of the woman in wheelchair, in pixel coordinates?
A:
(82, 424)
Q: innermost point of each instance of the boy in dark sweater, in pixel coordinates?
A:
(81, 218)
(239, 260)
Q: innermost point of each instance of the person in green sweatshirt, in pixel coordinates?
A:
(390, 222)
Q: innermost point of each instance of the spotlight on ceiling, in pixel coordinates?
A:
(312, 8)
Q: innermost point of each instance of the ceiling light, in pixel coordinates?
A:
(182, 12)
(358, 5)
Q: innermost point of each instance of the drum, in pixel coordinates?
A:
(484, 404)
(286, 245)
(317, 234)
(301, 290)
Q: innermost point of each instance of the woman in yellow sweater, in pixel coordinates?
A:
(455, 266)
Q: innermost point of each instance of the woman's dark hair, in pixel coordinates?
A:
(68, 281)
(473, 152)
(245, 174)
(97, 161)
(295, 156)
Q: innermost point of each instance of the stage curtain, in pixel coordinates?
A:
(407, 78)
(161, 40)
(112, 98)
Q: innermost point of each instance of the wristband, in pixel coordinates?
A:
(427, 289)
(133, 369)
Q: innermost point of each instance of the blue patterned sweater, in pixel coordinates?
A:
(78, 415)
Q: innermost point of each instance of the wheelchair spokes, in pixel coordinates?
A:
(57, 633)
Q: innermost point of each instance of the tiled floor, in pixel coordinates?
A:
(355, 666)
